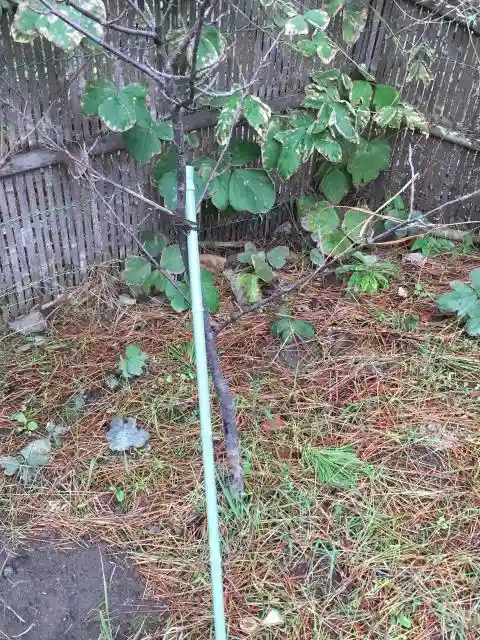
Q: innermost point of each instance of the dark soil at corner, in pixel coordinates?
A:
(50, 591)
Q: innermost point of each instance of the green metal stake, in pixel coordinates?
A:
(205, 415)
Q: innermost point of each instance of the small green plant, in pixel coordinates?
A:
(119, 494)
(431, 246)
(367, 275)
(263, 265)
(288, 328)
(419, 291)
(464, 300)
(397, 212)
(23, 420)
(170, 279)
(133, 363)
(335, 466)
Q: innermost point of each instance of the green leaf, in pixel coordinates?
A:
(210, 293)
(257, 114)
(475, 278)
(270, 147)
(251, 190)
(154, 243)
(321, 219)
(249, 285)
(165, 164)
(354, 21)
(124, 434)
(361, 93)
(37, 453)
(297, 146)
(317, 257)
(343, 123)
(326, 50)
(163, 131)
(334, 7)
(227, 118)
(335, 185)
(368, 160)
(179, 296)
(247, 255)
(355, 224)
(211, 48)
(304, 329)
(33, 18)
(137, 270)
(328, 147)
(142, 143)
(323, 119)
(118, 112)
(242, 152)
(10, 465)
(19, 417)
(306, 203)
(134, 361)
(277, 257)
(385, 96)
(461, 300)
(389, 117)
(404, 621)
(156, 281)
(306, 48)
(219, 190)
(473, 325)
(167, 187)
(335, 244)
(172, 260)
(96, 92)
(296, 26)
(414, 119)
(317, 18)
(135, 91)
(262, 269)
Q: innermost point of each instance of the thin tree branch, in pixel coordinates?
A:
(147, 19)
(108, 24)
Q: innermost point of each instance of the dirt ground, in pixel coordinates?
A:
(52, 590)
(360, 519)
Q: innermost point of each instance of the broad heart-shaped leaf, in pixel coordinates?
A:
(361, 93)
(171, 259)
(33, 18)
(368, 160)
(250, 251)
(167, 187)
(156, 281)
(227, 118)
(354, 21)
(257, 114)
(137, 270)
(328, 147)
(251, 190)
(163, 131)
(271, 148)
(179, 296)
(142, 142)
(296, 26)
(283, 327)
(211, 48)
(321, 219)
(249, 285)
(326, 50)
(473, 324)
(317, 18)
(37, 453)
(95, 93)
(118, 112)
(355, 224)
(306, 203)
(335, 185)
(210, 293)
(10, 465)
(317, 257)
(475, 278)
(335, 243)
(277, 257)
(303, 329)
(461, 300)
(334, 6)
(262, 269)
(124, 434)
(134, 361)
(385, 96)
(219, 190)
(343, 123)
(154, 243)
(242, 152)
(165, 164)
(306, 48)
(323, 119)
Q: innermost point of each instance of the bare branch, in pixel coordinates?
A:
(110, 24)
